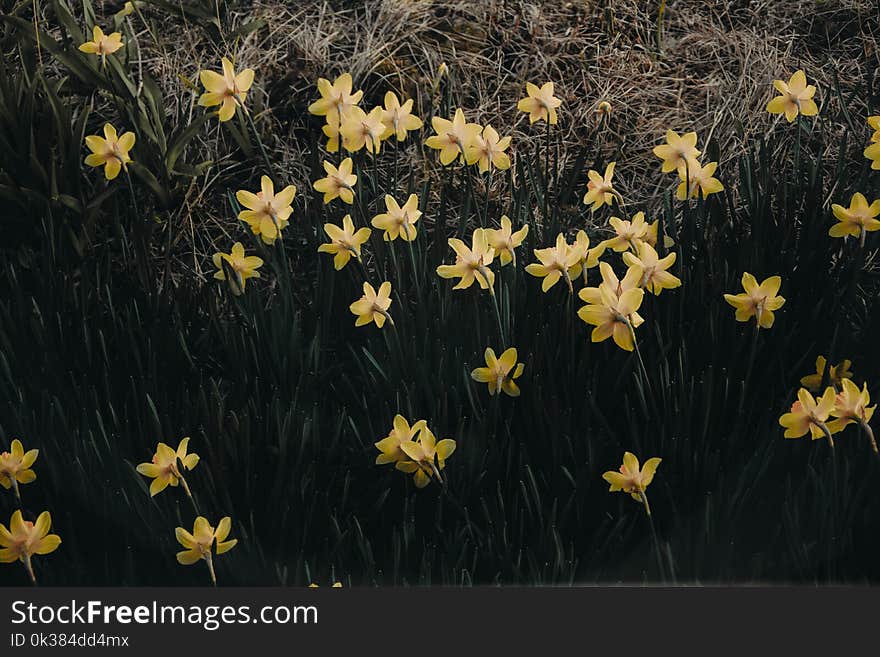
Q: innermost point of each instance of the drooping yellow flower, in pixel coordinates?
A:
(453, 137)
(839, 372)
(655, 274)
(335, 585)
(505, 241)
(600, 189)
(336, 98)
(267, 212)
(164, 470)
(758, 301)
(15, 466)
(399, 221)
(558, 261)
(110, 151)
(700, 180)
(401, 432)
(427, 457)
(373, 306)
(339, 183)
(228, 90)
(630, 479)
(500, 372)
(204, 542)
(127, 10)
(872, 152)
(102, 44)
(851, 406)
(344, 242)
(487, 150)
(244, 267)
(796, 98)
(361, 130)
(399, 119)
(856, 220)
(471, 263)
(677, 150)
(24, 539)
(612, 307)
(630, 233)
(810, 415)
(540, 104)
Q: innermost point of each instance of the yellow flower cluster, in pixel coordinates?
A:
(166, 469)
(841, 404)
(872, 152)
(415, 450)
(23, 539)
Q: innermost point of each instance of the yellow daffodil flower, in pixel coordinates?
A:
(874, 124)
(228, 90)
(872, 152)
(555, 262)
(839, 372)
(600, 189)
(163, 468)
(630, 479)
(809, 414)
(361, 130)
(373, 306)
(243, 266)
(204, 542)
(127, 10)
(336, 98)
(758, 301)
(331, 131)
(851, 406)
(677, 151)
(110, 151)
(453, 137)
(504, 241)
(471, 263)
(427, 457)
(399, 119)
(399, 221)
(629, 234)
(102, 44)
(856, 220)
(796, 98)
(587, 257)
(344, 242)
(612, 307)
(655, 276)
(500, 372)
(540, 104)
(487, 150)
(267, 212)
(15, 467)
(24, 539)
(401, 432)
(699, 178)
(339, 183)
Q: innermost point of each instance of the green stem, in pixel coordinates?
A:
(263, 153)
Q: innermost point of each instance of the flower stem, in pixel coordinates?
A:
(262, 148)
(210, 562)
(870, 434)
(15, 489)
(29, 567)
(827, 433)
(189, 495)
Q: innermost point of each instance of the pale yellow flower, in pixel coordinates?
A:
(228, 90)
(540, 104)
(339, 183)
(796, 98)
(398, 221)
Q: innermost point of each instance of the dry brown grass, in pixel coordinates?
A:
(713, 74)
